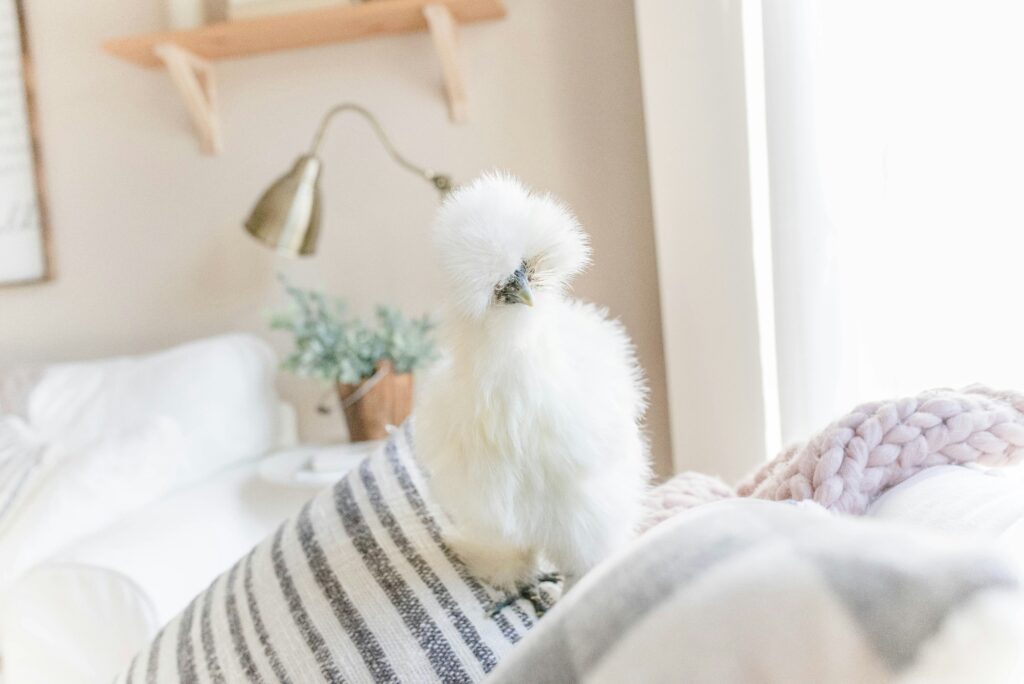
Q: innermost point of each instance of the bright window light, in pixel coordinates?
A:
(915, 142)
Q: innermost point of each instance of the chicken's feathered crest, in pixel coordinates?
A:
(489, 228)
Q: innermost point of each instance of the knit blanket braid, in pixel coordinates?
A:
(871, 449)
(880, 444)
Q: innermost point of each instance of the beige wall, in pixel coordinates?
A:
(147, 245)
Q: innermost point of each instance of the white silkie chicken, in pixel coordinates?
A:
(530, 428)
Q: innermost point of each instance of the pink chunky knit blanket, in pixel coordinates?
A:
(869, 450)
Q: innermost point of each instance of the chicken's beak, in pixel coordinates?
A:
(525, 295)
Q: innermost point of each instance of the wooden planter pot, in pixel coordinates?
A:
(388, 401)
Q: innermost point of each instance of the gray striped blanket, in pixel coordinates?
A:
(745, 591)
(359, 587)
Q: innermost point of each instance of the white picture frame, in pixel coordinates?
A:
(24, 254)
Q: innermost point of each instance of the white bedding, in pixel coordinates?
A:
(24, 458)
(84, 490)
(218, 391)
(151, 494)
(71, 623)
(134, 576)
(957, 500)
(974, 502)
(130, 430)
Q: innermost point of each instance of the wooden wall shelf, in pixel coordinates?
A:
(190, 51)
(301, 29)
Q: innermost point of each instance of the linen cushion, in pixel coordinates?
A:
(360, 586)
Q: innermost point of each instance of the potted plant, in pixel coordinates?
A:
(370, 367)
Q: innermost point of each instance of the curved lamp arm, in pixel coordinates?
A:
(287, 215)
(440, 181)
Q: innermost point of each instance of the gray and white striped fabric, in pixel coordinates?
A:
(753, 591)
(359, 587)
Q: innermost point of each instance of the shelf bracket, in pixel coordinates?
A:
(444, 31)
(195, 81)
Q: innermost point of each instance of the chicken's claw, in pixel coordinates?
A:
(530, 593)
(551, 578)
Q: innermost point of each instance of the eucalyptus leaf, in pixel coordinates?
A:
(336, 347)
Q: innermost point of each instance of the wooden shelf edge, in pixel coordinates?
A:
(301, 29)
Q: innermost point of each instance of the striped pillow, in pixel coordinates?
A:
(360, 586)
(754, 591)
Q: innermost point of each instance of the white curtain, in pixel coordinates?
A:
(895, 147)
(838, 190)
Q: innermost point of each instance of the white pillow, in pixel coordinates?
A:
(1012, 542)
(72, 624)
(219, 392)
(956, 499)
(88, 488)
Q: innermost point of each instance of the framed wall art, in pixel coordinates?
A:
(23, 230)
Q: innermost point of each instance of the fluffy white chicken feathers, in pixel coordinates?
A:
(530, 428)
(485, 230)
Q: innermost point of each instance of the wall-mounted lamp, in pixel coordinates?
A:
(287, 216)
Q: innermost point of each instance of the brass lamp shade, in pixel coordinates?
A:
(287, 216)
